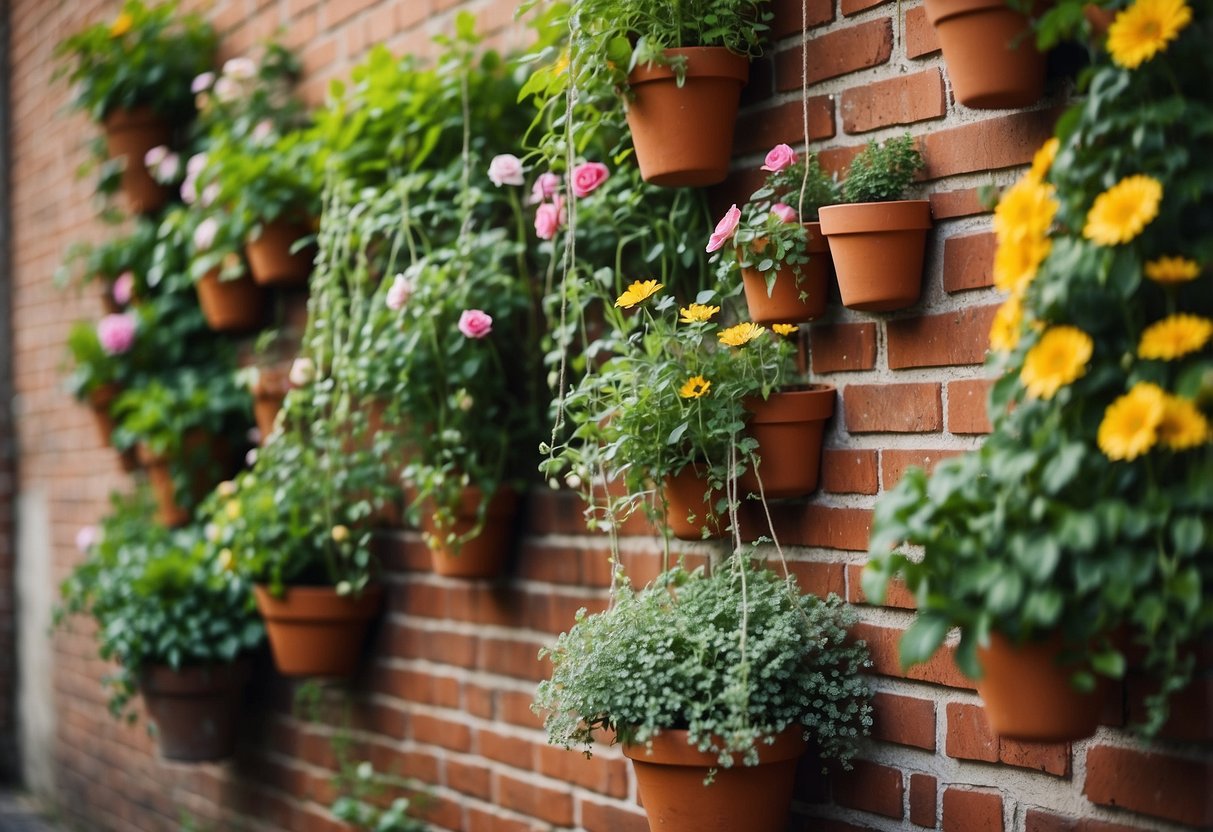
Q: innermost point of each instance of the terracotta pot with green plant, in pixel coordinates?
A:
(877, 238)
(990, 52)
(105, 360)
(670, 672)
(230, 300)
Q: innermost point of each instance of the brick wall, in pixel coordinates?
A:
(445, 696)
(8, 664)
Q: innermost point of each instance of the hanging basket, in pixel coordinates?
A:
(990, 52)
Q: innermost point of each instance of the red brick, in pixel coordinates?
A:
(914, 407)
(840, 347)
(965, 202)
(894, 462)
(969, 736)
(446, 733)
(813, 525)
(511, 658)
(528, 798)
(469, 778)
(604, 817)
(785, 123)
(883, 643)
(990, 144)
(1159, 785)
(896, 595)
(1049, 757)
(923, 799)
(920, 37)
(1041, 821)
(791, 16)
(902, 99)
(967, 410)
(870, 787)
(946, 340)
(482, 821)
(512, 751)
(846, 471)
(836, 53)
(966, 810)
(904, 720)
(968, 262)
(821, 579)
(605, 776)
(850, 7)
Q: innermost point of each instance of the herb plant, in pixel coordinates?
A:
(882, 172)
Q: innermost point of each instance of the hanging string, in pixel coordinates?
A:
(804, 98)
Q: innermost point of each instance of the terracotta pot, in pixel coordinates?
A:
(1028, 695)
(313, 631)
(990, 53)
(130, 134)
(788, 427)
(101, 400)
(684, 494)
(194, 708)
(270, 258)
(230, 305)
(782, 304)
(268, 395)
(484, 556)
(684, 135)
(754, 798)
(878, 250)
(198, 446)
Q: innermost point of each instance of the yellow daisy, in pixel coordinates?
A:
(1025, 211)
(640, 290)
(697, 312)
(695, 387)
(1175, 336)
(121, 25)
(1058, 358)
(735, 336)
(1172, 270)
(1122, 211)
(1130, 424)
(1004, 331)
(1043, 160)
(1144, 29)
(784, 329)
(1016, 263)
(1183, 426)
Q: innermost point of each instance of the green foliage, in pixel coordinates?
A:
(158, 597)
(734, 657)
(882, 172)
(163, 413)
(93, 368)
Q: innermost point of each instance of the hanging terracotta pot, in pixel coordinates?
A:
(194, 708)
(484, 556)
(313, 631)
(878, 250)
(990, 52)
(270, 258)
(684, 135)
(1028, 695)
(687, 510)
(129, 135)
(670, 776)
(782, 304)
(210, 460)
(230, 305)
(101, 401)
(788, 427)
(269, 392)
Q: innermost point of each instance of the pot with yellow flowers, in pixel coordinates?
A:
(1078, 535)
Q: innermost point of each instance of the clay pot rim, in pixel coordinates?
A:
(702, 62)
(861, 217)
(938, 10)
(670, 748)
(324, 601)
(191, 679)
(131, 118)
(802, 403)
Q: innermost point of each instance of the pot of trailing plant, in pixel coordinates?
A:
(484, 556)
(230, 305)
(990, 52)
(684, 135)
(782, 302)
(269, 392)
(270, 256)
(878, 250)
(670, 778)
(1028, 695)
(313, 631)
(194, 708)
(688, 510)
(100, 400)
(216, 451)
(788, 426)
(129, 135)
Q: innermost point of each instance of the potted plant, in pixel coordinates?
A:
(178, 622)
(268, 376)
(991, 55)
(1077, 534)
(877, 238)
(102, 365)
(672, 673)
(784, 261)
(133, 75)
(230, 300)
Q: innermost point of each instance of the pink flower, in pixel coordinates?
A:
(204, 234)
(87, 537)
(786, 213)
(189, 190)
(545, 187)
(263, 130)
(399, 292)
(587, 177)
(202, 82)
(241, 69)
(209, 194)
(123, 289)
(116, 333)
(227, 89)
(475, 324)
(196, 163)
(506, 169)
(725, 228)
(549, 217)
(778, 158)
(155, 156)
(168, 168)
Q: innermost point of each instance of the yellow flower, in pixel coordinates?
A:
(784, 329)
(340, 534)
(1175, 336)
(1122, 211)
(1043, 160)
(1130, 424)
(121, 25)
(695, 387)
(1058, 358)
(1004, 331)
(1025, 211)
(1172, 270)
(227, 488)
(1016, 263)
(1183, 426)
(227, 560)
(640, 290)
(232, 509)
(697, 312)
(735, 336)
(1144, 29)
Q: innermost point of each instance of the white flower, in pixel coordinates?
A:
(241, 69)
(204, 234)
(169, 168)
(195, 165)
(250, 459)
(202, 83)
(87, 537)
(262, 131)
(227, 89)
(209, 194)
(303, 372)
(506, 169)
(155, 156)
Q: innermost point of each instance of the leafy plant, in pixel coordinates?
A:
(882, 172)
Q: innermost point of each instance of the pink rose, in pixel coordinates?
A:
(87, 537)
(202, 82)
(506, 169)
(786, 213)
(475, 324)
(587, 177)
(123, 289)
(204, 234)
(399, 292)
(116, 333)
(725, 228)
(545, 187)
(778, 158)
(549, 217)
